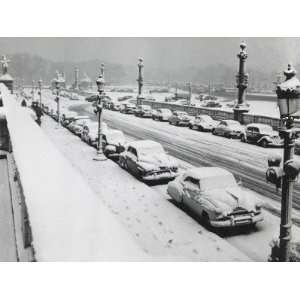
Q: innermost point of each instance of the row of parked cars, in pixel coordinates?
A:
(260, 134)
(213, 194)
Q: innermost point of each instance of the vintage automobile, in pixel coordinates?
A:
(179, 118)
(77, 125)
(262, 135)
(214, 195)
(212, 104)
(124, 98)
(143, 111)
(89, 133)
(91, 98)
(229, 129)
(68, 117)
(148, 161)
(113, 143)
(115, 106)
(203, 123)
(162, 114)
(127, 108)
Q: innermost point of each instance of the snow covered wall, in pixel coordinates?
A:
(68, 221)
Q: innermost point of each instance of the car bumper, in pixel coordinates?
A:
(184, 123)
(168, 175)
(238, 221)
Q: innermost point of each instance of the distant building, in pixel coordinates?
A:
(62, 78)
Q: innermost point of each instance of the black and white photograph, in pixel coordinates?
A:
(135, 149)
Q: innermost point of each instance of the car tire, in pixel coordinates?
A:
(176, 123)
(200, 128)
(205, 219)
(191, 126)
(214, 132)
(264, 144)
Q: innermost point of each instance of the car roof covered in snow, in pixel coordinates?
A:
(145, 144)
(259, 125)
(205, 172)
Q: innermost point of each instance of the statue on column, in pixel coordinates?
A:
(4, 61)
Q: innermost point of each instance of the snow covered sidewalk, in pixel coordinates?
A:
(162, 230)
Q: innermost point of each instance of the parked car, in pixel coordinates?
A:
(91, 98)
(214, 195)
(203, 123)
(212, 104)
(297, 146)
(128, 108)
(163, 114)
(229, 129)
(143, 111)
(113, 142)
(77, 125)
(89, 132)
(68, 117)
(115, 106)
(46, 109)
(179, 118)
(148, 161)
(262, 135)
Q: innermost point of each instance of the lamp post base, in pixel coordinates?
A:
(100, 156)
(239, 110)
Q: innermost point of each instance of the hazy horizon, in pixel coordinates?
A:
(270, 54)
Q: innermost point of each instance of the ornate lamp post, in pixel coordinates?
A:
(242, 83)
(32, 91)
(288, 94)
(40, 91)
(140, 81)
(58, 84)
(190, 93)
(99, 108)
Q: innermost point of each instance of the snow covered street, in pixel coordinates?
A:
(162, 230)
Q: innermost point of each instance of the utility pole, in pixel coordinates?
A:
(140, 81)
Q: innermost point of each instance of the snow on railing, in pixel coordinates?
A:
(68, 221)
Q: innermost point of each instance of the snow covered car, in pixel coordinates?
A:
(128, 108)
(179, 118)
(77, 125)
(115, 106)
(214, 195)
(68, 117)
(262, 135)
(229, 129)
(89, 132)
(203, 123)
(148, 161)
(143, 111)
(113, 142)
(163, 114)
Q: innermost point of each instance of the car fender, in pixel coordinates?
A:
(267, 138)
(174, 189)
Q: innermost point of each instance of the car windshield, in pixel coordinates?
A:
(115, 137)
(217, 182)
(145, 152)
(232, 122)
(206, 118)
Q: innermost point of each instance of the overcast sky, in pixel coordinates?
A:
(269, 53)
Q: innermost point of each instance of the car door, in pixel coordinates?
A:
(249, 133)
(131, 159)
(191, 191)
(220, 129)
(255, 134)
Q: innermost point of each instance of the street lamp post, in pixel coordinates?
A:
(242, 83)
(58, 84)
(99, 109)
(140, 81)
(190, 93)
(288, 94)
(32, 91)
(40, 91)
